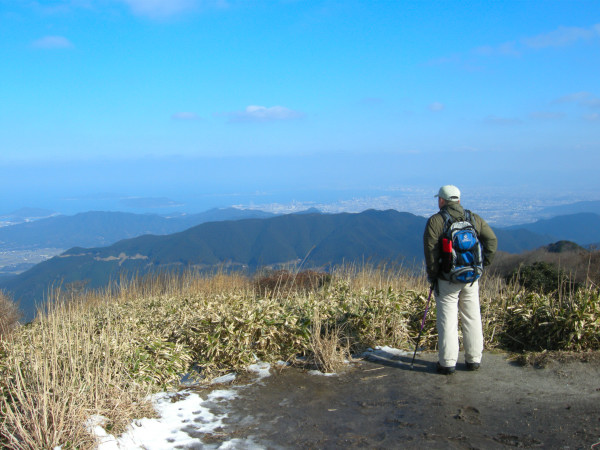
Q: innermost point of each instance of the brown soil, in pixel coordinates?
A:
(380, 402)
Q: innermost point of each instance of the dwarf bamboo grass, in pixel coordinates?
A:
(102, 352)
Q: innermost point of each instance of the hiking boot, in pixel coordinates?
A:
(445, 370)
(473, 366)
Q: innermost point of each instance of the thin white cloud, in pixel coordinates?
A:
(371, 101)
(155, 9)
(255, 113)
(185, 115)
(506, 49)
(159, 8)
(575, 97)
(466, 149)
(453, 59)
(52, 42)
(546, 115)
(505, 121)
(436, 106)
(561, 37)
(594, 117)
(580, 98)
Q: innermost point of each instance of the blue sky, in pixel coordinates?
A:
(212, 103)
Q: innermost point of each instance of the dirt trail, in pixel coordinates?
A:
(381, 403)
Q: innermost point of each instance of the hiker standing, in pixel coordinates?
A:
(453, 272)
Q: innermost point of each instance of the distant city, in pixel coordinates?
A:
(500, 208)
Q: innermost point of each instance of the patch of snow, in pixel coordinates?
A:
(222, 394)
(386, 351)
(323, 374)
(170, 429)
(186, 414)
(241, 444)
(181, 415)
(228, 378)
(262, 369)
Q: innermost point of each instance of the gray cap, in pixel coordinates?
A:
(449, 193)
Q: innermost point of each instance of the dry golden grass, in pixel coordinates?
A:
(60, 370)
(102, 353)
(9, 315)
(329, 349)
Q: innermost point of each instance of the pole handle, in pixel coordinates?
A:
(412, 364)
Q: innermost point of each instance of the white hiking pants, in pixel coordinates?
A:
(451, 300)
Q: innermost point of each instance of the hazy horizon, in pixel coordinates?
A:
(124, 104)
(500, 204)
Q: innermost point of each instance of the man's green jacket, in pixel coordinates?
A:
(433, 234)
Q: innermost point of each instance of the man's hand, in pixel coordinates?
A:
(432, 283)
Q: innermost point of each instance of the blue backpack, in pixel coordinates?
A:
(465, 263)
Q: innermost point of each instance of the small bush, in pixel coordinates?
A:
(543, 277)
(284, 282)
(580, 265)
(564, 246)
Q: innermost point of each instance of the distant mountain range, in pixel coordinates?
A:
(25, 215)
(571, 208)
(310, 239)
(582, 228)
(97, 228)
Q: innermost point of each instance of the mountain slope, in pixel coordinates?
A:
(581, 228)
(519, 240)
(572, 208)
(259, 242)
(316, 240)
(319, 239)
(100, 228)
(85, 229)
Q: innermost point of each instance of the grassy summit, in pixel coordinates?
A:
(103, 352)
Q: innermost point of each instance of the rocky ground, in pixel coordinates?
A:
(379, 402)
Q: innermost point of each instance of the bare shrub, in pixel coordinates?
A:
(284, 282)
(9, 315)
(329, 348)
(579, 265)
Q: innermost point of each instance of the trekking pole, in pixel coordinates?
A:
(412, 364)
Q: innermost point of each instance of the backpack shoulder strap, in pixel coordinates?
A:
(469, 218)
(447, 219)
